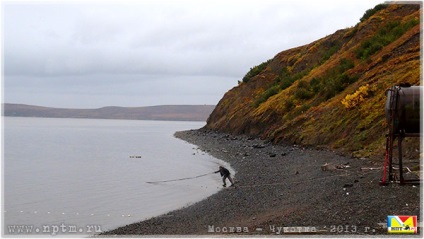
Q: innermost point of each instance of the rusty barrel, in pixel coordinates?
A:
(403, 105)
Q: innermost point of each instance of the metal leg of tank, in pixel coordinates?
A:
(400, 138)
(388, 163)
(391, 178)
(384, 181)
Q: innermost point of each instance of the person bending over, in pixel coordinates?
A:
(225, 174)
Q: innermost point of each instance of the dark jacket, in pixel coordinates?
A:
(224, 172)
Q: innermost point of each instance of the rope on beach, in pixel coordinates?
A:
(280, 183)
(180, 179)
(259, 185)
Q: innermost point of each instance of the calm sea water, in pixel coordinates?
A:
(81, 176)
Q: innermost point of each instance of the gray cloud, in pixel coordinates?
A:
(152, 52)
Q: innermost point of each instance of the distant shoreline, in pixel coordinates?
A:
(161, 112)
(284, 186)
(34, 117)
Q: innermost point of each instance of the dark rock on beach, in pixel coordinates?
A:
(281, 186)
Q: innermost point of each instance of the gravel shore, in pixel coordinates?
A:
(281, 186)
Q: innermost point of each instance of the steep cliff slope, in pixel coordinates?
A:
(331, 92)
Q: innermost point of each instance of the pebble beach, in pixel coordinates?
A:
(285, 189)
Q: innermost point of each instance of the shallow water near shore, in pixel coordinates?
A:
(82, 176)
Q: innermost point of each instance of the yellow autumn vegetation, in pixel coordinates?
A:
(331, 92)
(355, 99)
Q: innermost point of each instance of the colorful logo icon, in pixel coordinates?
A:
(402, 224)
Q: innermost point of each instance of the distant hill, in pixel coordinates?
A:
(331, 92)
(162, 112)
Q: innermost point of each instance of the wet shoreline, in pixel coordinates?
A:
(283, 187)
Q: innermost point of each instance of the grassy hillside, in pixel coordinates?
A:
(331, 92)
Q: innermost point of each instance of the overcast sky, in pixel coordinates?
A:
(90, 54)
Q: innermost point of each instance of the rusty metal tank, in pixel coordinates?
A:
(403, 109)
